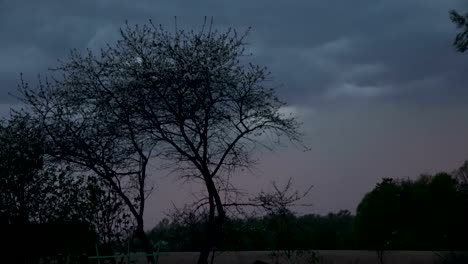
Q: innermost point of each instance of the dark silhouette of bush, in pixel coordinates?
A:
(30, 242)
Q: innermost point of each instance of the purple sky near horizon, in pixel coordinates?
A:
(379, 87)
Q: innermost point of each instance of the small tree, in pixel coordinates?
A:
(88, 119)
(462, 177)
(22, 178)
(34, 190)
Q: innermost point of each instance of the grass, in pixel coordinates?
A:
(326, 257)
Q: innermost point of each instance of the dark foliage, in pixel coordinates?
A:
(30, 242)
(461, 39)
(37, 191)
(280, 230)
(429, 213)
(426, 214)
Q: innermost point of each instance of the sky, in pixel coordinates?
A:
(378, 85)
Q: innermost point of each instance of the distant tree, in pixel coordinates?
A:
(377, 217)
(286, 234)
(425, 214)
(446, 213)
(263, 232)
(331, 231)
(461, 175)
(163, 235)
(283, 224)
(461, 39)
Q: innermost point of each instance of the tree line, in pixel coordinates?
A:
(427, 213)
(274, 231)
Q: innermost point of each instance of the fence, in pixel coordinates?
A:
(128, 257)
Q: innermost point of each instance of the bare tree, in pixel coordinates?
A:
(207, 107)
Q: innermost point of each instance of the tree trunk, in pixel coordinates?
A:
(140, 232)
(145, 241)
(213, 237)
(209, 239)
(204, 255)
(215, 223)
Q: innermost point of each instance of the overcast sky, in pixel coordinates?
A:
(377, 84)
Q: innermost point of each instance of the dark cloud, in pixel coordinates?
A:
(317, 49)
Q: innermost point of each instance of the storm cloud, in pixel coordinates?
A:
(318, 50)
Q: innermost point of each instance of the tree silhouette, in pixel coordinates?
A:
(88, 120)
(424, 214)
(36, 190)
(22, 178)
(208, 108)
(461, 39)
(193, 94)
